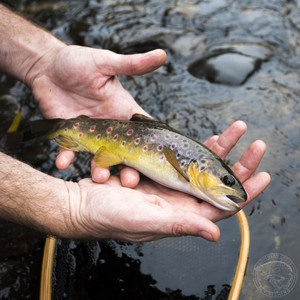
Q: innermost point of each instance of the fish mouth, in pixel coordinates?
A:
(225, 203)
(236, 199)
(229, 201)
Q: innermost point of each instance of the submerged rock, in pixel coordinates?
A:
(230, 64)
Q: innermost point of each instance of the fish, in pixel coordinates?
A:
(153, 148)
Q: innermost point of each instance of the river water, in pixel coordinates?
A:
(227, 60)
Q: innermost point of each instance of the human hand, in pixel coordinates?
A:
(72, 80)
(151, 211)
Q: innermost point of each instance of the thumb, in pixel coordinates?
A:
(188, 223)
(135, 64)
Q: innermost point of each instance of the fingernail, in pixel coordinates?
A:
(206, 235)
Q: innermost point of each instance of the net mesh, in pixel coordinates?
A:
(171, 268)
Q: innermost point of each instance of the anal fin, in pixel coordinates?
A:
(105, 158)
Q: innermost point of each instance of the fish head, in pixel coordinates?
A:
(217, 182)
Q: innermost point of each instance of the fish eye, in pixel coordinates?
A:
(228, 180)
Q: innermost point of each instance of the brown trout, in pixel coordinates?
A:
(154, 149)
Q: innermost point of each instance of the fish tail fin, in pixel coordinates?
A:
(42, 129)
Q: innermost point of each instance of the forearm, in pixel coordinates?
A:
(33, 198)
(22, 45)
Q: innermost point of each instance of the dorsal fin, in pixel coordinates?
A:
(146, 119)
(141, 118)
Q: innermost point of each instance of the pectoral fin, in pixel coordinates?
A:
(171, 157)
(68, 143)
(105, 158)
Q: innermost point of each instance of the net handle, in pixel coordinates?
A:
(47, 268)
(243, 257)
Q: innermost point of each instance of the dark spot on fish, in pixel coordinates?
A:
(178, 155)
(188, 153)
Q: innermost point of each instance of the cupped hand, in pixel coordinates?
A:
(71, 80)
(151, 211)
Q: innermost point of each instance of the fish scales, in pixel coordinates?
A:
(151, 147)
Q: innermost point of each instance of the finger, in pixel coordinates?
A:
(209, 142)
(136, 64)
(160, 222)
(229, 138)
(188, 223)
(64, 158)
(129, 177)
(255, 185)
(99, 174)
(249, 161)
(172, 221)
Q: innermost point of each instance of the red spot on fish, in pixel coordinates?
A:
(178, 155)
(173, 146)
(98, 137)
(123, 143)
(162, 157)
(137, 141)
(129, 132)
(153, 138)
(76, 125)
(92, 129)
(80, 134)
(159, 148)
(115, 137)
(145, 148)
(66, 129)
(109, 130)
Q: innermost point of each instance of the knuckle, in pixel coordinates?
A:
(178, 229)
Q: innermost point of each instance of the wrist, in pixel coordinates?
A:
(32, 198)
(23, 45)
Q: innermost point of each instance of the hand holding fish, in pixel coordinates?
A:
(83, 81)
(151, 211)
